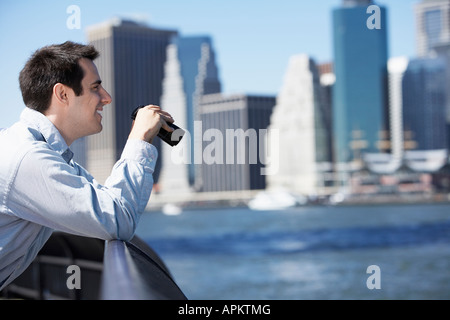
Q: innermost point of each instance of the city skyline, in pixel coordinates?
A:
(273, 34)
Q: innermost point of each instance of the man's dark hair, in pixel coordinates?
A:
(50, 65)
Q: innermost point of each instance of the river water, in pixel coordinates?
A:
(311, 252)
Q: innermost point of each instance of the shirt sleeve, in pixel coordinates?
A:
(48, 191)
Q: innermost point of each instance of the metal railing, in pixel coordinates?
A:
(134, 272)
(110, 270)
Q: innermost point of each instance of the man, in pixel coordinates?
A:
(41, 188)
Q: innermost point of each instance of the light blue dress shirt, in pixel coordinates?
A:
(42, 189)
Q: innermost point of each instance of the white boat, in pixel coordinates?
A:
(276, 200)
(171, 209)
(337, 198)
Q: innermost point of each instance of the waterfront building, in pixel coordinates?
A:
(300, 118)
(433, 35)
(443, 51)
(131, 65)
(432, 25)
(424, 102)
(190, 72)
(232, 150)
(360, 94)
(417, 113)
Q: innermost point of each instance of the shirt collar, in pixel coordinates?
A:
(48, 131)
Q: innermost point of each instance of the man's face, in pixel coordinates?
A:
(85, 110)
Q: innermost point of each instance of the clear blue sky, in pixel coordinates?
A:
(253, 39)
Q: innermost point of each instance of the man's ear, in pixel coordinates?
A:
(60, 93)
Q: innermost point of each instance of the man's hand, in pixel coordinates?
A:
(149, 120)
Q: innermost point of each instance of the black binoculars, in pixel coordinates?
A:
(163, 134)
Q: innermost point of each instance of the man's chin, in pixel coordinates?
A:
(98, 129)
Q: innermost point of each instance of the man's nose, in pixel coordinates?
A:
(106, 97)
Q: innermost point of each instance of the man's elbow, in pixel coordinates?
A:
(125, 229)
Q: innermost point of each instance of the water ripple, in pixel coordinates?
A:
(260, 243)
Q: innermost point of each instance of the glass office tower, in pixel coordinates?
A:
(424, 89)
(360, 95)
(433, 36)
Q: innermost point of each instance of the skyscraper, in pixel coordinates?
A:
(424, 97)
(232, 141)
(131, 65)
(190, 73)
(433, 25)
(360, 95)
(433, 35)
(299, 116)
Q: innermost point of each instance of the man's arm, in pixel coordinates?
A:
(48, 191)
